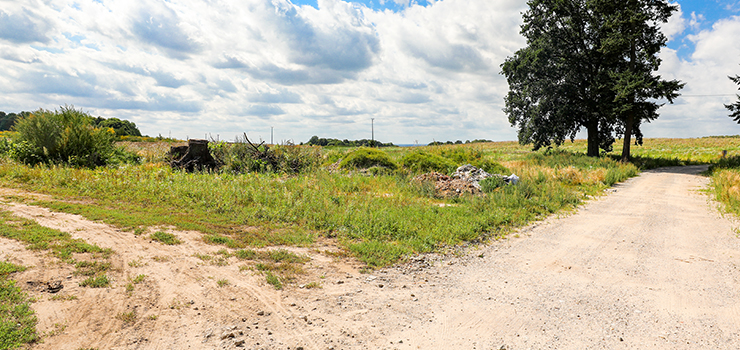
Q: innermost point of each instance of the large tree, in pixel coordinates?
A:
(587, 64)
(735, 108)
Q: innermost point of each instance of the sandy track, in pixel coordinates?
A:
(650, 266)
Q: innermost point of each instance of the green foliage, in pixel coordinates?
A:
(490, 184)
(582, 69)
(735, 107)
(243, 156)
(7, 268)
(316, 141)
(165, 238)
(364, 158)
(422, 162)
(100, 281)
(8, 120)
(17, 319)
(37, 237)
(273, 280)
(121, 127)
(66, 136)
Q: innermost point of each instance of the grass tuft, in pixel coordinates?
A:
(165, 238)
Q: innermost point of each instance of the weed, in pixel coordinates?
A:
(273, 280)
(91, 268)
(17, 319)
(7, 268)
(129, 287)
(136, 263)
(58, 328)
(138, 279)
(96, 282)
(246, 254)
(165, 238)
(161, 258)
(175, 304)
(223, 282)
(127, 317)
(312, 285)
(153, 317)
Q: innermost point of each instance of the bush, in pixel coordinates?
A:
(65, 137)
(364, 158)
(422, 162)
(243, 156)
(487, 185)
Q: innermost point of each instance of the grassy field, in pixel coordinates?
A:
(379, 219)
(378, 216)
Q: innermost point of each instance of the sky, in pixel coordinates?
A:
(407, 71)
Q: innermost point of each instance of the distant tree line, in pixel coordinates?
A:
(121, 127)
(316, 141)
(8, 120)
(458, 142)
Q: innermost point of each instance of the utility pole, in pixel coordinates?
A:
(372, 130)
(271, 136)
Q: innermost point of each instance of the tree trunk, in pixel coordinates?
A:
(631, 114)
(627, 137)
(593, 138)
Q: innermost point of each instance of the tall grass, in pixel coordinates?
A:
(378, 218)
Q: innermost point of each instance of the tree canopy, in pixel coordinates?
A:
(587, 64)
(735, 107)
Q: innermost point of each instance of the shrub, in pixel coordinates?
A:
(422, 162)
(487, 185)
(243, 156)
(364, 158)
(66, 136)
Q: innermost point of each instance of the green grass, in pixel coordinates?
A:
(17, 319)
(380, 219)
(100, 281)
(37, 237)
(165, 238)
(273, 280)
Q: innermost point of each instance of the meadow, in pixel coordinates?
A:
(363, 200)
(379, 215)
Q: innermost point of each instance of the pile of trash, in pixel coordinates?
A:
(466, 179)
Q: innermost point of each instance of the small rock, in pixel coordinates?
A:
(340, 282)
(239, 342)
(228, 334)
(260, 313)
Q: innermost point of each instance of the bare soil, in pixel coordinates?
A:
(651, 265)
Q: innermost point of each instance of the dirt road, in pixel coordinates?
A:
(652, 265)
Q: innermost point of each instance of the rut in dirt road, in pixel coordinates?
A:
(650, 266)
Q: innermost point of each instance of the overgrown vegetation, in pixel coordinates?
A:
(65, 136)
(243, 156)
(17, 319)
(379, 219)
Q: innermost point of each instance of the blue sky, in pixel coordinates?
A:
(424, 70)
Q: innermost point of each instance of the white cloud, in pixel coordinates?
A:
(192, 67)
(700, 111)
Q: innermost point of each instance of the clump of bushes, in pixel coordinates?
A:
(243, 156)
(422, 162)
(65, 136)
(365, 158)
